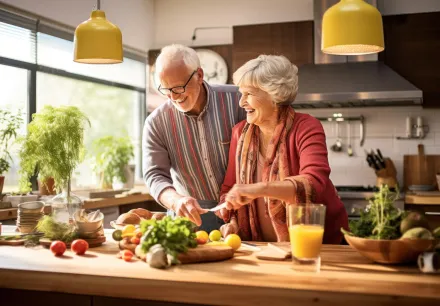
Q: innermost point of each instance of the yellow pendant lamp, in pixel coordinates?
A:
(97, 40)
(352, 27)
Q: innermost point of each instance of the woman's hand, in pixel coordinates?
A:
(242, 194)
(229, 228)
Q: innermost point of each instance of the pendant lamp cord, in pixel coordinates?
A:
(98, 5)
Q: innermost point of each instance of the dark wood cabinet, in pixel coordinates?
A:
(412, 49)
(291, 39)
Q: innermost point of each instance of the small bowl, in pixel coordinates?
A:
(33, 207)
(397, 251)
(88, 227)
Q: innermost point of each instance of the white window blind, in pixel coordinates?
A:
(17, 37)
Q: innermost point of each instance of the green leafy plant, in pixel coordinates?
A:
(381, 219)
(174, 235)
(9, 125)
(53, 146)
(110, 156)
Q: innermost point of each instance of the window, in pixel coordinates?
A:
(37, 69)
(111, 110)
(14, 97)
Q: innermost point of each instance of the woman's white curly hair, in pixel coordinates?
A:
(274, 74)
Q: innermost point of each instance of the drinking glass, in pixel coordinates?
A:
(306, 230)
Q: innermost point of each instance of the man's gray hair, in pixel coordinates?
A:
(176, 53)
(274, 74)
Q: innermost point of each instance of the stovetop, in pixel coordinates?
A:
(356, 188)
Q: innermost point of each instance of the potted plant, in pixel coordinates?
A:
(9, 124)
(54, 146)
(110, 158)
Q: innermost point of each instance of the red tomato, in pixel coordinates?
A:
(135, 240)
(58, 247)
(138, 233)
(127, 255)
(79, 246)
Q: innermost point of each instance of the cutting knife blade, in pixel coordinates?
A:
(218, 207)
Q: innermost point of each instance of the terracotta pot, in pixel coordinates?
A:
(48, 188)
(2, 181)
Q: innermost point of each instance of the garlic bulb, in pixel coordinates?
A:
(157, 257)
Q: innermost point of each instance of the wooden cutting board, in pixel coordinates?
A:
(206, 253)
(275, 251)
(92, 242)
(420, 169)
(12, 242)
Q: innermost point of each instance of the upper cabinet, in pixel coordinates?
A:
(291, 39)
(412, 49)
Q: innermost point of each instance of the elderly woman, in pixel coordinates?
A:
(277, 157)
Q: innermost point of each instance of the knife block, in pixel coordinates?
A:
(387, 175)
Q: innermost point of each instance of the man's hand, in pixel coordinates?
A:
(229, 228)
(190, 208)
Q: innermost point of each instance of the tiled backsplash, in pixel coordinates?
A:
(382, 126)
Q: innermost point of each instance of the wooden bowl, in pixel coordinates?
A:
(397, 251)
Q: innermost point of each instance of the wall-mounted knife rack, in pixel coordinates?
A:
(341, 118)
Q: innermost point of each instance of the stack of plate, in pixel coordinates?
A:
(28, 215)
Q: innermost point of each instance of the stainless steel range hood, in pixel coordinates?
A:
(350, 81)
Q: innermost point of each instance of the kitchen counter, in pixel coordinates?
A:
(423, 198)
(11, 213)
(345, 278)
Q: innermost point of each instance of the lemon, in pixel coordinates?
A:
(129, 228)
(234, 241)
(215, 235)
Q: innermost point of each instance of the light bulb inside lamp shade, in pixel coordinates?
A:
(98, 41)
(352, 27)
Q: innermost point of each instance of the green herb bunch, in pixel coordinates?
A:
(110, 156)
(381, 219)
(56, 230)
(9, 125)
(174, 235)
(53, 145)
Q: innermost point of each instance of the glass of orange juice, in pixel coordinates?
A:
(306, 231)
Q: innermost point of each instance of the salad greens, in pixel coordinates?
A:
(174, 235)
(381, 219)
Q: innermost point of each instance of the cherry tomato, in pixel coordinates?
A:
(127, 255)
(138, 233)
(79, 246)
(58, 247)
(135, 240)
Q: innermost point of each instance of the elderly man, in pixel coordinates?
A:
(186, 140)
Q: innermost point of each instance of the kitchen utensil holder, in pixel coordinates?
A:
(340, 118)
(387, 175)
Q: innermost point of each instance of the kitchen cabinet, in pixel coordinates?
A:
(412, 47)
(291, 39)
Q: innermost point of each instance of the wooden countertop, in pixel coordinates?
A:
(345, 278)
(11, 213)
(423, 198)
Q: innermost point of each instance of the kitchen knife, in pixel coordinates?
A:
(372, 162)
(376, 159)
(218, 207)
(381, 159)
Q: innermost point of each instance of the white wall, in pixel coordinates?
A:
(175, 20)
(133, 17)
(396, 7)
(383, 125)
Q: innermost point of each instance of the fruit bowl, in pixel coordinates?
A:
(397, 251)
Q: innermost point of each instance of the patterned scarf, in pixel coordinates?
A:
(276, 168)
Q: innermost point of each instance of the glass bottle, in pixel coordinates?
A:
(65, 204)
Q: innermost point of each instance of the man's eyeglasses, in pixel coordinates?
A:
(176, 89)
